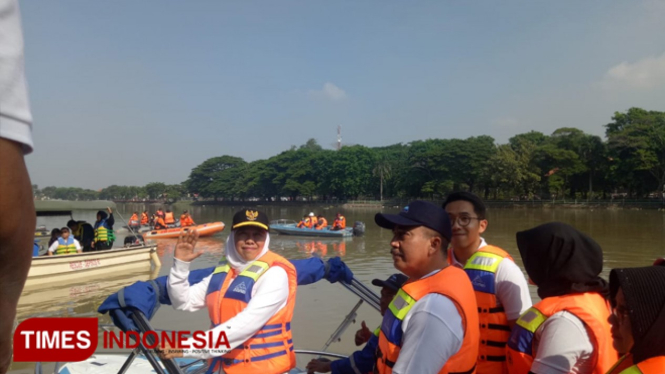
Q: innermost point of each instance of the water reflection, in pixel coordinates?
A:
(309, 247)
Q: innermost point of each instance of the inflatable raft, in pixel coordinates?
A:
(206, 229)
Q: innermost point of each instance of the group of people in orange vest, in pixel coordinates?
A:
(463, 305)
(466, 306)
(160, 220)
(319, 222)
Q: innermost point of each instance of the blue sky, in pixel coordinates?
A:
(130, 92)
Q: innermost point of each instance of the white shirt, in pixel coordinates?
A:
(563, 345)
(15, 117)
(512, 290)
(56, 243)
(432, 333)
(269, 295)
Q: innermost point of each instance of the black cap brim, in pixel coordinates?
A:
(382, 283)
(389, 221)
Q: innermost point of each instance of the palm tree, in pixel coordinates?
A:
(382, 169)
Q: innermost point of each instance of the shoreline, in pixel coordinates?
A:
(535, 204)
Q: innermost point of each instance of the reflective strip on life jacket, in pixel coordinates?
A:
(652, 365)
(103, 233)
(450, 282)
(269, 350)
(591, 308)
(67, 248)
(481, 268)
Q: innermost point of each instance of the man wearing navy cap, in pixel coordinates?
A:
(250, 297)
(362, 361)
(431, 325)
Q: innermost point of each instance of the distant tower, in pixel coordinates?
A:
(339, 137)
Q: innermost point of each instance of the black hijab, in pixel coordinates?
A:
(644, 290)
(102, 214)
(561, 260)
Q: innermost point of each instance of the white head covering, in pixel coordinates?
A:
(236, 261)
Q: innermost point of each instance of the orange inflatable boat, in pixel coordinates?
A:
(206, 229)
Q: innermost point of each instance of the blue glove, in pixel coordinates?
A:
(336, 270)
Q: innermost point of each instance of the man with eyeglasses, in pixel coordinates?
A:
(501, 290)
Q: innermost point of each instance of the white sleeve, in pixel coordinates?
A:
(269, 295)
(433, 333)
(182, 295)
(512, 290)
(53, 246)
(15, 117)
(563, 346)
(77, 244)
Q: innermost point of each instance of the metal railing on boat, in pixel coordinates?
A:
(170, 366)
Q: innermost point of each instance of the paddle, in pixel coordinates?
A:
(140, 238)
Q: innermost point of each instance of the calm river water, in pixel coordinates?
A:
(628, 237)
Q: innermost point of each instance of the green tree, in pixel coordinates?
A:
(636, 140)
(155, 190)
(217, 177)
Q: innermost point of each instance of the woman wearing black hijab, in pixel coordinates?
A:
(567, 331)
(638, 319)
(104, 235)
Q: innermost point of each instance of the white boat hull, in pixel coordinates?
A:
(63, 268)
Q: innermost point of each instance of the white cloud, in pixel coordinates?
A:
(329, 91)
(643, 74)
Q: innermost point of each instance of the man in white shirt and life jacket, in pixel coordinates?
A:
(250, 297)
(65, 245)
(638, 319)
(501, 289)
(568, 330)
(431, 325)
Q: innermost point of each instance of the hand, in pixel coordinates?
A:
(109, 210)
(363, 335)
(169, 352)
(184, 248)
(318, 366)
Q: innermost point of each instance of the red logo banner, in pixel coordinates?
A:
(55, 339)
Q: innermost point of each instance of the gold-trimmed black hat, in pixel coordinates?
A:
(250, 217)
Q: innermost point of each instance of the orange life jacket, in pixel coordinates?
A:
(651, 366)
(322, 224)
(270, 350)
(481, 268)
(134, 220)
(168, 218)
(340, 222)
(144, 219)
(159, 223)
(302, 224)
(590, 307)
(450, 282)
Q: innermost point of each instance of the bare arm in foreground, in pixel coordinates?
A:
(17, 225)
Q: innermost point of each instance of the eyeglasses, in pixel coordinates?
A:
(463, 221)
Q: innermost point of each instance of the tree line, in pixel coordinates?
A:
(568, 163)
